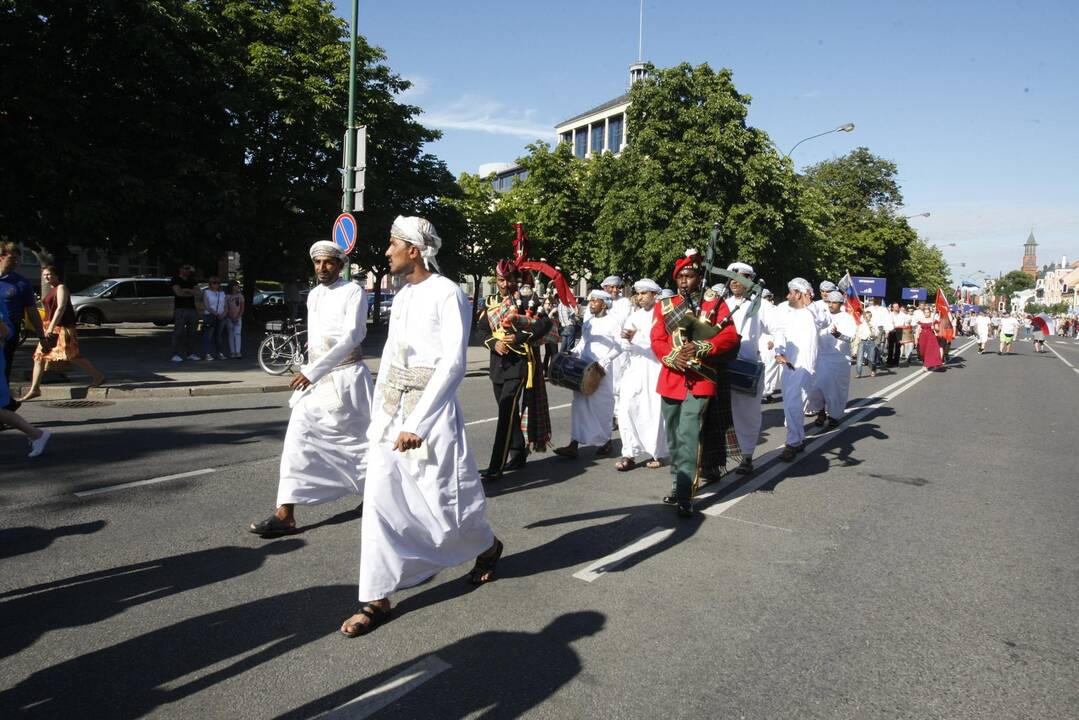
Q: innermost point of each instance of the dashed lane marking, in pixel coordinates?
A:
(389, 692)
(492, 419)
(605, 564)
(866, 406)
(139, 483)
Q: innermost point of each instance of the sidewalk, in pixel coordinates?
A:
(135, 360)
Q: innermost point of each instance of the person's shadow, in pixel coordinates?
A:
(85, 599)
(496, 674)
(132, 678)
(28, 538)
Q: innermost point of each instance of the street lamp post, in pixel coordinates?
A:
(908, 217)
(845, 127)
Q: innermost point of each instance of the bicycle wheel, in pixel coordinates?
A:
(275, 354)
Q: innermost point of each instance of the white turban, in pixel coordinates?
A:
(611, 280)
(720, 289)
(646, 285)
(325, 248)
(421, 233)
(742, 269)
(834, 296)
(827, 286)
(666, 293)
(600, 295)
(801, 285)
(766, 293)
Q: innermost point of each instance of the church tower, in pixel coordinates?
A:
(1030, 257)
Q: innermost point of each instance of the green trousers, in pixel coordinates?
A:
(684, 419)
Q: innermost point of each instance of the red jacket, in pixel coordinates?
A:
(676, 384)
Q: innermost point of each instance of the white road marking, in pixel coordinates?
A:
(864, 408)
(605, 564)
(139, 483)
(761, 525)
(1053, 350)
(391, 691)
(492, 419)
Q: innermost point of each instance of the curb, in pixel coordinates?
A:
(81, 392)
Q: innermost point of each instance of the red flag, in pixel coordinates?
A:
(947, 330)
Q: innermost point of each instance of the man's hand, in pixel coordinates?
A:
(629, 332)
(782, 360)
(299, 382)
(501, 348)
(407, 441)
(509, 339)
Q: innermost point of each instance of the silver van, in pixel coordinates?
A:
(119, 300)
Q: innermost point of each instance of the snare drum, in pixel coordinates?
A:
(572, 372)
(745, 375)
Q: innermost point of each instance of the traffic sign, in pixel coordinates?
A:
(344, 232)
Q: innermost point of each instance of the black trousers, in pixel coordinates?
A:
(893, 346)
(508, 436)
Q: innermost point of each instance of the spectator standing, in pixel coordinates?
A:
(62, 344)
(37, 437)
(185, 319)
(17, 296)
(234, 318)
(213, 321)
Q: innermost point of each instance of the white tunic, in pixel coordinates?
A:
(981, 324)
(772, 369)
(796, 340)
(746, 408)
(591, 416)
(424, 510)
(623, 307)
(831, 384)
(640, 419)
(325, 449)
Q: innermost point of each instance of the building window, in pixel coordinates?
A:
(567, 137)
(580, 142)
(614, 134)
(597, 138)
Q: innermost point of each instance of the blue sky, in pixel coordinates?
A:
(977, 102)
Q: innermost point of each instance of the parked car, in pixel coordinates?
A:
(117, 300)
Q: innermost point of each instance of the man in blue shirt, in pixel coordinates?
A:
(17, 295)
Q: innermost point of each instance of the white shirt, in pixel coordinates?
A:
(213, 301)
(336, 326)
(1009, 325)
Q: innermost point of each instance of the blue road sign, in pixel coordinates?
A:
(871, 286)
(344, 232)
(914, 294)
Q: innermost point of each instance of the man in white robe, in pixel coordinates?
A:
(772, 369)
(820, 307)
(325, 448)
(746, 408)
(640, 418)
(425, 509)
(981, 327)
(590, 416)
(796, 349)
(828, 399)
(622, 307)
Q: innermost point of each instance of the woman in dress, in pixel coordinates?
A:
(60, 331)
(928, 345)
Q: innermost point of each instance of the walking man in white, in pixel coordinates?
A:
(796, 349)
(746, 408)
(772, 369)
(981, 327)
(590, 416)
(424, 509)
(640, 417)
(325, 448)
(828, 398)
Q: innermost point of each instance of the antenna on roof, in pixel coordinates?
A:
(640, 36)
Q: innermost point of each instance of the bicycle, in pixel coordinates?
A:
(283, 348)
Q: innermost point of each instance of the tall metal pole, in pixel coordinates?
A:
(348, 200)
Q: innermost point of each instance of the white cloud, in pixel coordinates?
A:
(811, 95)
(420, 86)
(488, 116)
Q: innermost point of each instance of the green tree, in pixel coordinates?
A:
(1012, 283)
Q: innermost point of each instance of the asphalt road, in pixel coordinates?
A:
(919, 562)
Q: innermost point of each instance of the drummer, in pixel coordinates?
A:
(600, 343)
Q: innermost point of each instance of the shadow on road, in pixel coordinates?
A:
(28, 538)
(132, 678)
(84, 599)
(498, 674)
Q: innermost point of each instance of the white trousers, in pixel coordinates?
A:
(746, 410)
(831, 386)
(797, 384)
(234, 330)
(325, 453)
